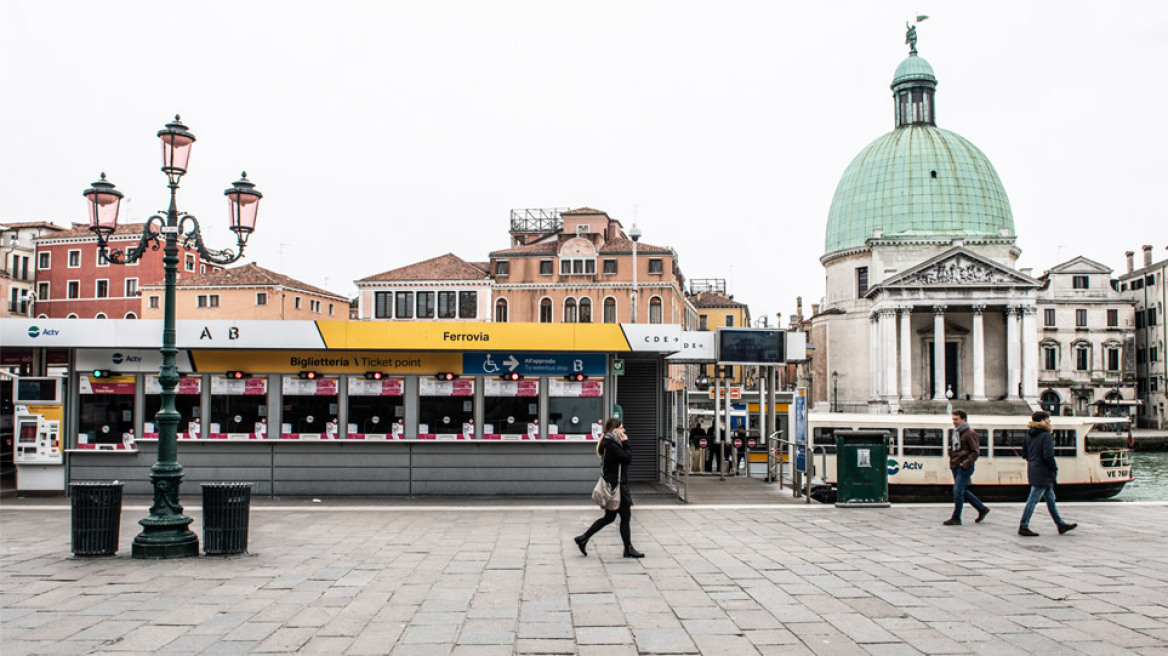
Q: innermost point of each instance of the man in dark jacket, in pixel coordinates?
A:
(964, 452)
(1042, 471)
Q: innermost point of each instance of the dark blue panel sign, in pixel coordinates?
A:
(533, 364)
(800, 430)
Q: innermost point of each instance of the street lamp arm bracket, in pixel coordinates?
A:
(192, 237)
(151, 233)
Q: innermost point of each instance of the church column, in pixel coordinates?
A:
(1013, 375)
(978, 354)
(888, 346)
(874, 357)
(905, 354)
(1029, 354)
(939, 352)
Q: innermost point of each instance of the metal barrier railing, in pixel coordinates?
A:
(775, 469)
(673, 465)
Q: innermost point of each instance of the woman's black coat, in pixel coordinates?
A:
(616, 458)
(1038, 449)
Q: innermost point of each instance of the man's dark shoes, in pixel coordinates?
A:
(1025, 532)
(981, 514)
(582, 543)
(633, 553)
(1067, 527)
(952, 521)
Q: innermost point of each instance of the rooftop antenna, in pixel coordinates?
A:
(910, 36)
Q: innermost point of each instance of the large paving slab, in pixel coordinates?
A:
(404, 578)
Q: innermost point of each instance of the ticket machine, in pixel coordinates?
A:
(39, 414)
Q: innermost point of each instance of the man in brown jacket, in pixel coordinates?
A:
(962, 454)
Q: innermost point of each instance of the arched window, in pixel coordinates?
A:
(131, 315)
(42, 316)
(100, 315)
(1050, 356)
(72, 316)
(1051, 402)
(570, 310)
(655, 309)
(545, 310)
(610, 310)
(501, 310)
(1082, 356)
(585, 310)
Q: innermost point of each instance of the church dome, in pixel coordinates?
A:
(918, 181)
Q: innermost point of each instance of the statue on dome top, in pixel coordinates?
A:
(910, 36)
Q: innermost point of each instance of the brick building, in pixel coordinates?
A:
(246, 292)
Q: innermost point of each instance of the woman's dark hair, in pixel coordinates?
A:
(1040, 416)
(611, 424)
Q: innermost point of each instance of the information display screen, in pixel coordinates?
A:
(751, 346)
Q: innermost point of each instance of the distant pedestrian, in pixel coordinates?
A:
(962, 456)
(1042, 471)
(613, 450)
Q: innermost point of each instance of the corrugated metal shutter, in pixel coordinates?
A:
(639, 395)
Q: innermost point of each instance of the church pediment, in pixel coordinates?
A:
(958, 267)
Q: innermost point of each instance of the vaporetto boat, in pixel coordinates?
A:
(918, 455)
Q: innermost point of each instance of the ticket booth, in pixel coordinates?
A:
(105, 411)
(446, 408)
(239, 407)
(37, 422)
(510, 409)
(377, 408)
(187, 401)
(311, 407)
(575, 408)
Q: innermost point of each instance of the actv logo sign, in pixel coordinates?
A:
(35, 332)
(118, 358)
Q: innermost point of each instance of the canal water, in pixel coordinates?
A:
(1150, 470)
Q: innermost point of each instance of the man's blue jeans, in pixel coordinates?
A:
(961, 493)
(1038, 494)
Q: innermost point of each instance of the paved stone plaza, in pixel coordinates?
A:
(360, 578)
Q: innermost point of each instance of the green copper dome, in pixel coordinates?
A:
(918, 181)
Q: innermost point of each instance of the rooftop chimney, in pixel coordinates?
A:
(1131, 257)
(814, 309)
(1147, 255)
(799, 307)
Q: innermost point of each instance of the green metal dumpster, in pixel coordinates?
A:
(861, 464)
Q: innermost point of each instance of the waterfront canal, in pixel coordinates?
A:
(1151, 478)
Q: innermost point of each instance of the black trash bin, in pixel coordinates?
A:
(226, 509)
(97, 517)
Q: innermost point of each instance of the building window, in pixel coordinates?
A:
(655, 266)
(1082, 357)
(1050, 357)
(1151, 316)
(501, 311)
(545, 310)
(261, 298)
(577, 266)
(403, 306)
(42, 291)
(102, 259)
(861, 281)
(190, 265)
(330, 309)
(468, 305)
(1080, 282)
(1154, 354)
(72, 315)
(1080, 318)
(153, 302)
(655, 309)
(296, 302)
(1113, 358)
(585, 310)
(502, 268)
(1048, 317)
(610, 266)
(201, 301)
(545, 267)
(570, 310)
(729, 321)
(447, 305)
(131, 287)
(44, 260)
(703, 322)
(214, 300)
(425, 305)
(100, 315)
(101, 289)
(314, 306)
(610, 310)
(1112, 318)
(74, 259)
(74, 289)
(205, 300)
(382, 305)
(130, 315)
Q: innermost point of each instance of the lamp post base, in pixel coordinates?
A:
(159, 540)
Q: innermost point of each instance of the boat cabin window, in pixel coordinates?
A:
(1064, 443)
(1008, 442)
(824, 437)
(983, 442)
(923, 442)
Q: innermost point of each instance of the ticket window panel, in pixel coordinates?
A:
(445, 415)
(239, 408)
(376, 407)
(574, 417)
(311, 407)
(510, 415)
(187, 401)
(105, 418)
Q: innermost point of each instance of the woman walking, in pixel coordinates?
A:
(1038, 449)
(613, 450)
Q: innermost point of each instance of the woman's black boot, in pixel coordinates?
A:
(582, 543)
(630, 552)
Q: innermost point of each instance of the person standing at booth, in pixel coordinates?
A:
(615, 455)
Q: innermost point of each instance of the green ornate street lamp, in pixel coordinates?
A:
(165, 533)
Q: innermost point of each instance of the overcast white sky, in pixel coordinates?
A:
(385, 133)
